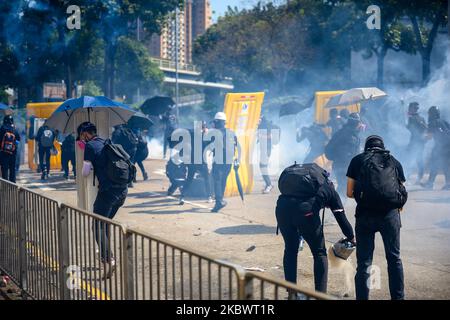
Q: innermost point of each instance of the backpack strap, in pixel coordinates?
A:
(323, 220)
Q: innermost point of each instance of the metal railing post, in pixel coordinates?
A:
(22, 243)
(128, 264)
(63, 252)
(245, 289)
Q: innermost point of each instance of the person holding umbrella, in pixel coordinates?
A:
(225, 145)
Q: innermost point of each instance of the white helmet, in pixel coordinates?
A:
(220, 116)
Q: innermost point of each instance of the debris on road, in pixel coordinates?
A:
(251, 248)
(256, 269)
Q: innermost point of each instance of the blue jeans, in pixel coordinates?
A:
(295, 219)
(389, 226)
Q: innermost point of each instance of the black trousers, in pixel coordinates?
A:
(389, 226)
(440, 162)
(203, 170)
(67, 157)
(107, 204)
(44, 156)
(295, 219)
(8, 164)
(220, 174)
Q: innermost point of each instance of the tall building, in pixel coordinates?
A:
(192, 21)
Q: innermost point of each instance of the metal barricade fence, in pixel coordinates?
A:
(10, 230)
(161, 269)
(263, 287)
(56, 251)
(41, 279)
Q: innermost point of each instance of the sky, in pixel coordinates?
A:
(220, 6)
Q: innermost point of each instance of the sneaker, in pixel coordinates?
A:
(109, 268)
(267, 189)
(145, 175)
(296, 296)
(210, 200)
(219, 206)
(171, 190)
(130, 185)
(66, 177)
(181, 201)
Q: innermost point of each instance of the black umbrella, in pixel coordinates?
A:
(141, 121)
(157, 105)
(238, 180)
(294, 107)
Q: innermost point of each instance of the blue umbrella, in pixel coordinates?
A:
(62, 119)
(5, 110)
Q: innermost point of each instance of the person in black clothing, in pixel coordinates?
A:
(344, 114)
(439, 130)
(45, 138)
(197, 164)
(125, 136)
(369, 220)
(9, 141)
(170, 124)
(297, 217)
(317, 140)
(335, 123)
(68, 155)
(344, 145)
(225, 144)
(142, 151)
(417, 127)
(110, 197)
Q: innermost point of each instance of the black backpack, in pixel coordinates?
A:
(379, 186)
(119, 169)
(302, 180)
(128, 138)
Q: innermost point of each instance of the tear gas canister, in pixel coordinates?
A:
(343, 248)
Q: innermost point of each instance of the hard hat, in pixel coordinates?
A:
(374, 141)
(220, 116)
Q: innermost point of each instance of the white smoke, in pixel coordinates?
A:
(155, 149)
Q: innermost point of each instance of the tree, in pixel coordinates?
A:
(273, 47)
(114, 18)
(394, 34)
(135, 68)
(426, 18)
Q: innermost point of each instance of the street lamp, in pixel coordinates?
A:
(176, 64)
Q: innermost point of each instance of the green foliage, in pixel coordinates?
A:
(135, 68)
(91, 89)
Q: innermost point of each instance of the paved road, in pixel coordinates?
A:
(228, 235)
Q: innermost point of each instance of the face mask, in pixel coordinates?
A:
(81, 144)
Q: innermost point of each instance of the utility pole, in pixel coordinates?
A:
(138, 37)
(176, 64)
